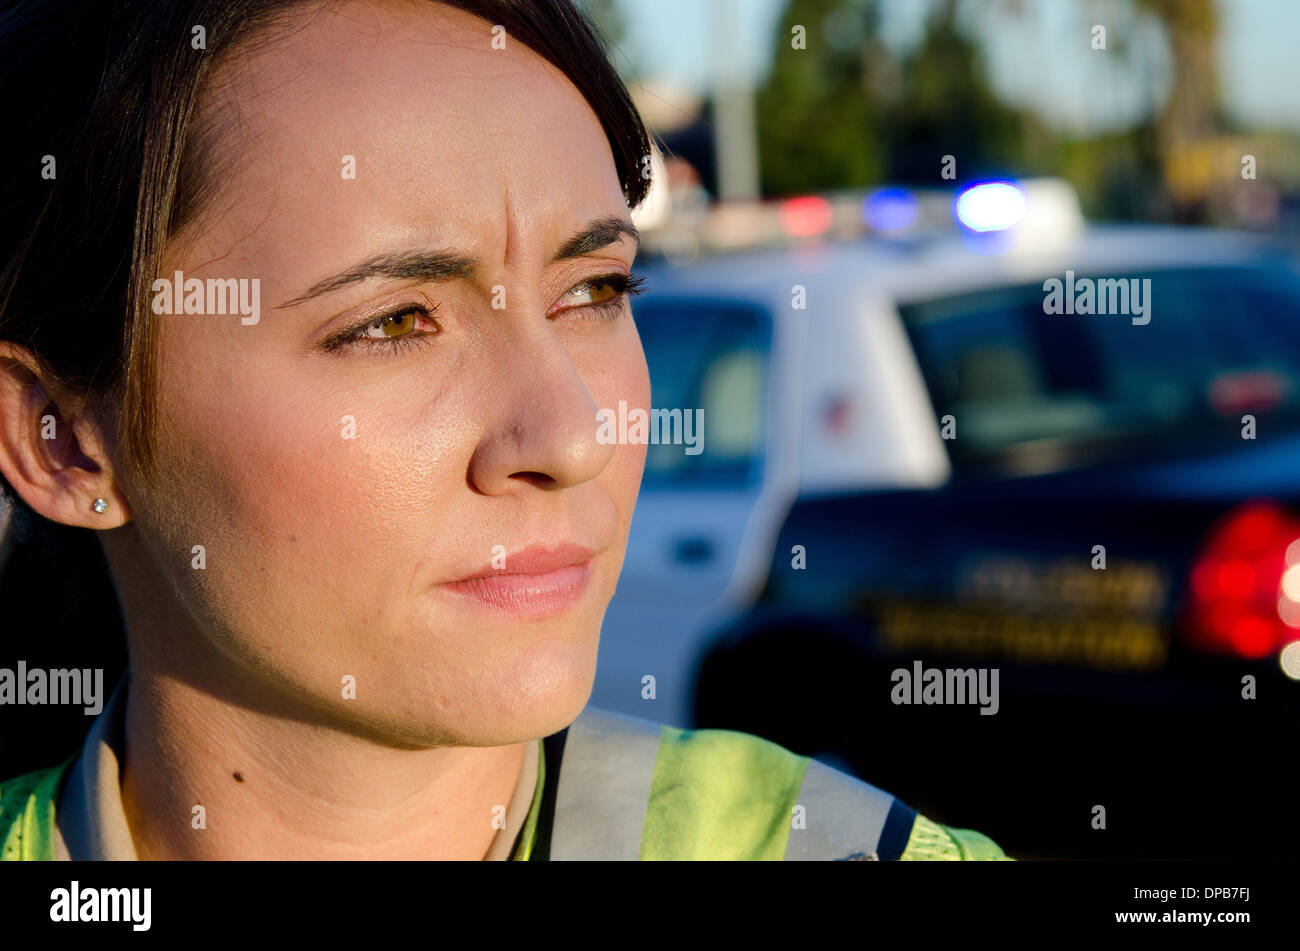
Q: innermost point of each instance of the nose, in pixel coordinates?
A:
(544, 428)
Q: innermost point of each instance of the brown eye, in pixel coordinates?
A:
(398, 324)
(394, 332)
(602, 294)
(594, 292)
(394, 325)
(601, 291)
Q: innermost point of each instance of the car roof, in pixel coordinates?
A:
(951, 264)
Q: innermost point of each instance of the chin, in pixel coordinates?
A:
(544, 688)
(532, 692)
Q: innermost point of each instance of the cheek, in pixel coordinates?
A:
(283, 445)
(623, 377)
(309, 499)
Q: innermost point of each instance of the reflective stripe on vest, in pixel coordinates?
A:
(634, 789)
(604, 784)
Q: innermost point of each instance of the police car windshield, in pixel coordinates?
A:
(1077, 373)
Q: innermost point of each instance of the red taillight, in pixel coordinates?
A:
(1239, 603)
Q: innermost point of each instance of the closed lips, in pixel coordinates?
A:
(534, 560)
(535, 583)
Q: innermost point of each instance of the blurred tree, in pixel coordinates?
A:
(1191, 29)
(819, 127)
(1192, 114)
(845, 113)
(1159, 169)
(948, 107)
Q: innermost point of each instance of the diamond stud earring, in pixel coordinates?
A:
(100, 506)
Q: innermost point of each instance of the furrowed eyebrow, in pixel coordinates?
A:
(597, 234)
(441, 266)
(425, 265)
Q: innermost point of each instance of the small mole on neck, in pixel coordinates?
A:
(238, 778)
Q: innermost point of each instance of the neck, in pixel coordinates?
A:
(273, 788)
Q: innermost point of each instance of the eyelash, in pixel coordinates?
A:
(625, 286)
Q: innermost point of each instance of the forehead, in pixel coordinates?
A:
(397, 119)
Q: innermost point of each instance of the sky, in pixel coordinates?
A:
(1044, 60)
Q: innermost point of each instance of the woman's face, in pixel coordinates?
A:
(372, 440)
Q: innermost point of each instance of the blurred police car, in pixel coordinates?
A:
(1111, 524)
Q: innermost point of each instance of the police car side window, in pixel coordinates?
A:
(710, 357)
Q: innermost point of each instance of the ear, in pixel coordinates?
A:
(52, 449)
